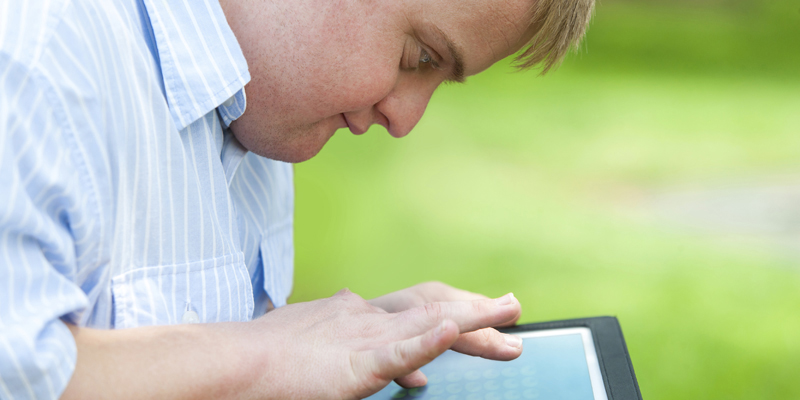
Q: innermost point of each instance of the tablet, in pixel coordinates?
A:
(584, 359)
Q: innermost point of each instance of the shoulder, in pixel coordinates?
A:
(28, 27)
(65, 37)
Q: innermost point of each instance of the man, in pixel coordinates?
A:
(136, 193)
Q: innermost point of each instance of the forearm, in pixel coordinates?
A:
(190, 361)
(350, 348)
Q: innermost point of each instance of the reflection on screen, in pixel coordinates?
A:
(550, 367)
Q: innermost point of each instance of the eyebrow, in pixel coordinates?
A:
(457, 71)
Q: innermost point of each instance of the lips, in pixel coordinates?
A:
(354, 130)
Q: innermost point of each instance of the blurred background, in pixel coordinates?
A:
(655, 176)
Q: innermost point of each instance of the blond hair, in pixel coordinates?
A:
(560, 25)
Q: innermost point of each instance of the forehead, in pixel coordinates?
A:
(484, 31)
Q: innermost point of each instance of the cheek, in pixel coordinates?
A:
(354, 73)
(355, 69)
(362, 86)
(338, 65)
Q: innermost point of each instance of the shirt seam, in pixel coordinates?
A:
(81, 164)
(216, 262)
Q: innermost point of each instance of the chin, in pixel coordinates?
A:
(291, 148)
(291, 155)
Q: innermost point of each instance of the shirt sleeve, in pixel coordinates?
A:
(37, 261)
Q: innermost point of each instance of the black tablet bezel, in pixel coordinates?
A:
(612, 353)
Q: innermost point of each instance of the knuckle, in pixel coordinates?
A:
(484, 342)
(487, 336)
(479, 307)
(343, 292)
(360, 305)
(354, 297)
(402, 357)
(427, 292)
(433, 311)
(356, 366)
(493, 339)
(362, 372)
(436, 287)
(348, 296)
(487, 343)
(347, 302)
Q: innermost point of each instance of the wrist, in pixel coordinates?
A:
(243, 356)
(261, 364)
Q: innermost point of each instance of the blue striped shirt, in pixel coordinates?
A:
(124, 199)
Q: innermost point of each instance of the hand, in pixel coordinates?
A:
(336, 348)
(486, 342)
(344, 347)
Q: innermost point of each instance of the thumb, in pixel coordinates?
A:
(401, 358)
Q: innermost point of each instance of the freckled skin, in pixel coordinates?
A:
(318, 65)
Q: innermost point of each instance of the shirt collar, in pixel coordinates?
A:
(201, 61)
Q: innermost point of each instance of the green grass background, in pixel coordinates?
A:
(515, 182)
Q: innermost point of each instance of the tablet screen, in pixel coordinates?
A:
(555, 364)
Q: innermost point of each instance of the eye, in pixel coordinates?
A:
(417, 56)
(424, 57)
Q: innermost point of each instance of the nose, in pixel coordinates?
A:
(403, 109)
(398, 112)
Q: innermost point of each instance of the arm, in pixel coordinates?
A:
(350, 348)
(191, 361)
(37, 251)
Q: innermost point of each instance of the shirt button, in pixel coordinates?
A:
(190, 317)
(229, 102)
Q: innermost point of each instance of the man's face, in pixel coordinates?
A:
(321, 65)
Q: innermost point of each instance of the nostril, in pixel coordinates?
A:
(393, 129)
(399, 114)
(383, 121)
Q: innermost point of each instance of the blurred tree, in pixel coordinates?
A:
(717, 37)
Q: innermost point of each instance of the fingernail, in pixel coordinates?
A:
(514, 341)
(440, 329)
(505, 300)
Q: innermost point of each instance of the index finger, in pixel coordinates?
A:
(468, 315)
(444, 292)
